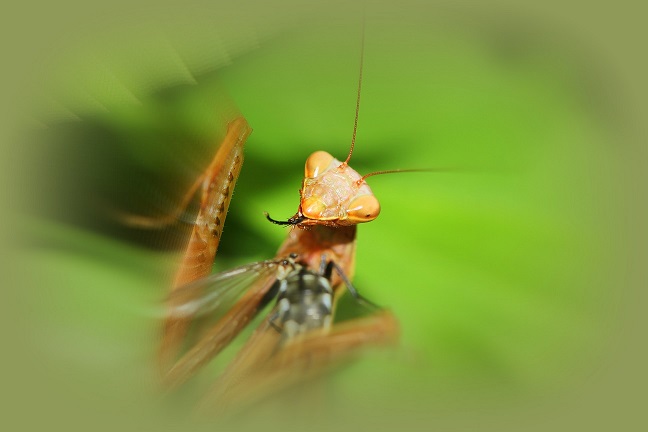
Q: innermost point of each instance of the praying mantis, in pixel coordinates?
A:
(311, 269)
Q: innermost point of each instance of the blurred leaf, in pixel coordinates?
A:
(500, 271)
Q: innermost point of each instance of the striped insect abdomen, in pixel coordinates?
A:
(304, 303)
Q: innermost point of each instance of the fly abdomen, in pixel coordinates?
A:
(304, 303)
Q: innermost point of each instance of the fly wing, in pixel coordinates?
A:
(211, 312)
(217, 291)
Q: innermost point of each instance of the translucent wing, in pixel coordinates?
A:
(217, 291)
(212, 311)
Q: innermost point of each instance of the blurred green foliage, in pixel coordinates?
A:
(499, 269)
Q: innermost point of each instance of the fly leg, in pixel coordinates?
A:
(272, 323)
(352, 290)
(326, 270)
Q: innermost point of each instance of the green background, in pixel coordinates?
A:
(511, 274)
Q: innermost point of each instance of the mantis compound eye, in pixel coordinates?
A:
(363, 209)
(317, 163)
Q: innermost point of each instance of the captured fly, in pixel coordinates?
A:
(304, 306)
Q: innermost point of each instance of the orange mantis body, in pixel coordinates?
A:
(334, 199)
(217, 183)
(313, 240)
